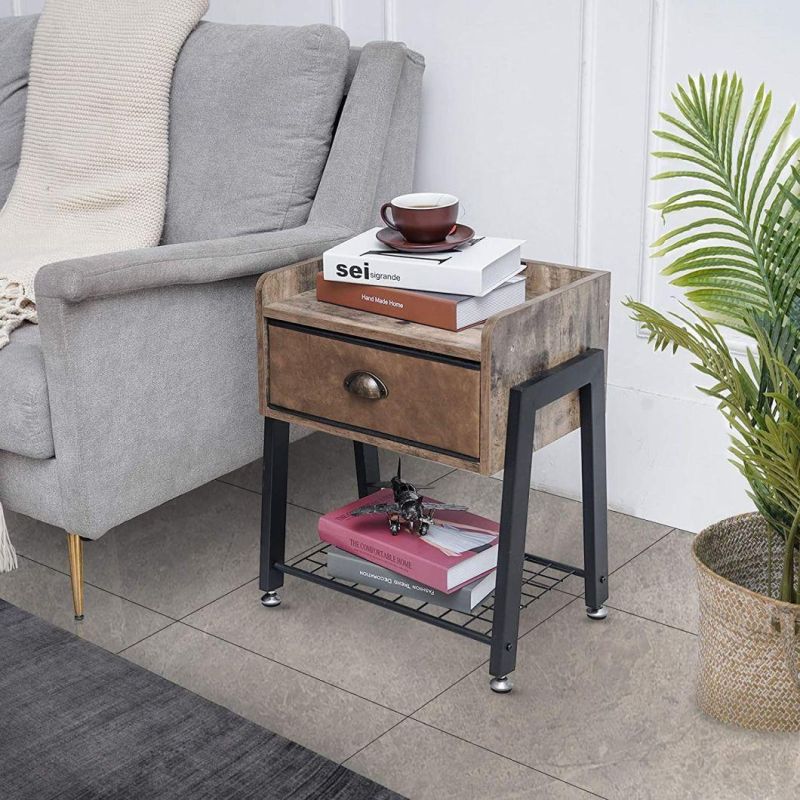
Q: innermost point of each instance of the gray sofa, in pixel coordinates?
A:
(139, 383)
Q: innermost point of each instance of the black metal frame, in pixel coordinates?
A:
(540, 575)
(368, 468)
(586, 375)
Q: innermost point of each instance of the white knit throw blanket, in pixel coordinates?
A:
(93, 173)
(92, 176)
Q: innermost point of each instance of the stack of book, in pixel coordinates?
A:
(452, 566)
(452, 290)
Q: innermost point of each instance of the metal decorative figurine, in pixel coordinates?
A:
(409, 507)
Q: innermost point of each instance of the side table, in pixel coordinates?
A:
(480, 400)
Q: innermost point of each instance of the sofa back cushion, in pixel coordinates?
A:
(253, 111)
(16, 41)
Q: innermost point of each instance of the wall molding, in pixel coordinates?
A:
(389, 20)
(651, 190)
(337, 13)
(656, 68)
(585, 136)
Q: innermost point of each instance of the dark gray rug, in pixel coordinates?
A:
(78, 722)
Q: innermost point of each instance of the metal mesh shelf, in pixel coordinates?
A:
(540, 575)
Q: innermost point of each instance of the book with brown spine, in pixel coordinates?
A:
(453, 312)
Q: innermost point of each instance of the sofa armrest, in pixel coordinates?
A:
(189, 263)
(152, 393)
(372, 155)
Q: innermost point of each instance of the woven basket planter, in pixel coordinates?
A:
(749, 642)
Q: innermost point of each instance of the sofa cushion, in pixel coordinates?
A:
(25, 426)
(16, 40)
(253, 110)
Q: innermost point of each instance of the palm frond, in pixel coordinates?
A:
(738, 262)
(752, 197)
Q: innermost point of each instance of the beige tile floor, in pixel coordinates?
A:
(598, 710)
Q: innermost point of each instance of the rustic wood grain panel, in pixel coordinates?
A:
(432, 402)
(542, 277)
(305, 309)
(522, 342)
(565, 313)
(402, 448)
(278, 284)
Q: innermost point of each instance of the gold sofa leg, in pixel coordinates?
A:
(75, 547)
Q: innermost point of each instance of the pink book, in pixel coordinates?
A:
(368, 536)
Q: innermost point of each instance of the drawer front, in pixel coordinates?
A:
(429, 400)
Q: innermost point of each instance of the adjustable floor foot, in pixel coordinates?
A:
(596, 613)
(270, 600)
(501, 684)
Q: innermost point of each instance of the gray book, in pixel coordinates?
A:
(348, 567)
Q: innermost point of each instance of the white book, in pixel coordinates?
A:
(473, 269)
(348, 567)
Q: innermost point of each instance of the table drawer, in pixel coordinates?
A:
(408, 395)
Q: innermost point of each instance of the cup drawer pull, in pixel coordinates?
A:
(366, 385)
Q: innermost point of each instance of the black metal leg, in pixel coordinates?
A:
(273, 507)
(513, 526)
(585, 373)
(368, 470)
(595, 504)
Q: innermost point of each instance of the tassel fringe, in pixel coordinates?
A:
(8, 556)
(16, 307)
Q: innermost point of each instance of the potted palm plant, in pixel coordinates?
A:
(736, 255)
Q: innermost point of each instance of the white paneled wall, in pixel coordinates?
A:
(537, 114)
(271, 12)
(27, 6)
